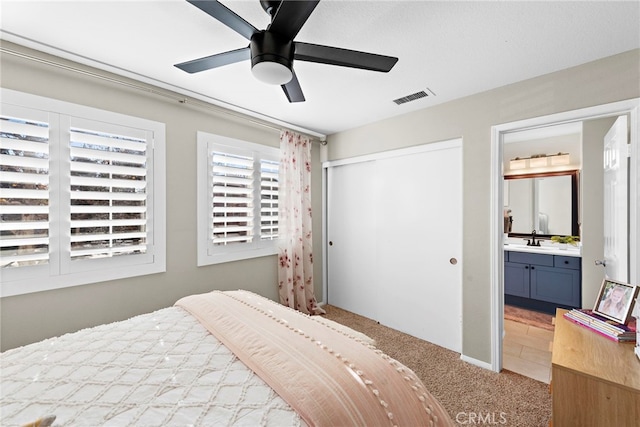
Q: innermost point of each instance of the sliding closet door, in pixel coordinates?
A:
(420, 221)
(402, 216)
(351, 222)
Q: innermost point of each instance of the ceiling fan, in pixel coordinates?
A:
(272, 51)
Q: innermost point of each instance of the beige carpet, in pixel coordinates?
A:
(466, 391)
(529, 317)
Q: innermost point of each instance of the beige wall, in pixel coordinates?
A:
(32, 317)
(611, 79)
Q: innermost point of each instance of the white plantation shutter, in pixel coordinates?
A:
(24, 192)
(108, 194)
(232, 198)
(81, 195)
(237, 199)
(268, 199)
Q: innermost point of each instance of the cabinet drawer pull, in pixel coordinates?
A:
(566, 262)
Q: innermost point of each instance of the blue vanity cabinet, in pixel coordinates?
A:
(516, 279)
(559, 284)
(543, 278)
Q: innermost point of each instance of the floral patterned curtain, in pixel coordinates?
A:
(295, 257)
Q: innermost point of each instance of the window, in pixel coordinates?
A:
(81, 195)
(237, 199)
(24, 187)
(108, 194)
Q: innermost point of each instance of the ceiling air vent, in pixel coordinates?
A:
(413, 97)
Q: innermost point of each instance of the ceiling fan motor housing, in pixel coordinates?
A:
(268, 47)
(270, 6)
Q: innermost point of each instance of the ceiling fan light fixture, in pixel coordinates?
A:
(273, 73)
(271, 58)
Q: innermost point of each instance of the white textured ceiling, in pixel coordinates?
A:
(450, 48)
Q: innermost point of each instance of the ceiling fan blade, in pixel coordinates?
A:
(215, 61)
(293, 89)
(343, 57)
(291, 16)
(225, 15)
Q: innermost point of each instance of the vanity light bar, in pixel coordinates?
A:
(560, 159)
(518, 163)
(540, 161)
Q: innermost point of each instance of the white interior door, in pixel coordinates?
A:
(395, 241)
(421, 216)
(351, 225)
(616, 234)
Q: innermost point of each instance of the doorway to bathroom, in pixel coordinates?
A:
(541, 170)
(591, 233)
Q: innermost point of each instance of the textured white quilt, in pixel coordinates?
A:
(159, 369)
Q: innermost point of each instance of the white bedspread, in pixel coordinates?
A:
(96, 377)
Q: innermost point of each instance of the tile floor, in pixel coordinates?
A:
(526, 350)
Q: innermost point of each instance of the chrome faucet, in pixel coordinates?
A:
(533, 241)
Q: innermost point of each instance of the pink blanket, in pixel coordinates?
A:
(328, 377)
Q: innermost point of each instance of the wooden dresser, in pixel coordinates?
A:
(595, 381)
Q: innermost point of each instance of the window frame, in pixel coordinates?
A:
(207, 253)
(60, 271)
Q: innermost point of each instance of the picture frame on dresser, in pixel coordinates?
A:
(615, 300)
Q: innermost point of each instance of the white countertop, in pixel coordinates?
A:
(546, 248)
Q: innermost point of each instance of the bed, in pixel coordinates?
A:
(215, 359)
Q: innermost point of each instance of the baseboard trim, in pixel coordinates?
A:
(476, 362)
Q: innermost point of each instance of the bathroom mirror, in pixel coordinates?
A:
(545, 202)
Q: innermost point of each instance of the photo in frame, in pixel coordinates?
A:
(615, 300)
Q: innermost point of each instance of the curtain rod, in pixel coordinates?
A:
(150, 89)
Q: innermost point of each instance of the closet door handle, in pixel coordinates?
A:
(532, 267)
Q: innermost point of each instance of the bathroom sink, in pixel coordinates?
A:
(550, 249)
